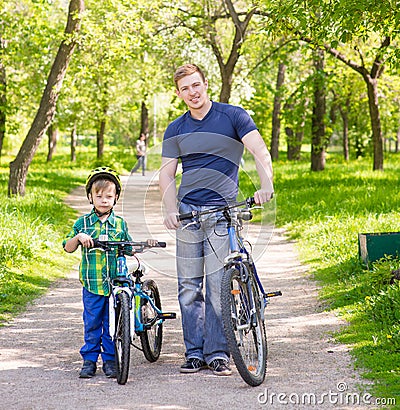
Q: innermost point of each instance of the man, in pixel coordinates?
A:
(209, 140)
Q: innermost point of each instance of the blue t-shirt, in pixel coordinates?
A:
(210, 151)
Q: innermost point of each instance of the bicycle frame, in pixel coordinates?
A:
(243, 299)
(123, 283)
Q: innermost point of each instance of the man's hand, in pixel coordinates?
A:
(171, 220)
(261, 196)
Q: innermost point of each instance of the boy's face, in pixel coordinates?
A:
(105, 198)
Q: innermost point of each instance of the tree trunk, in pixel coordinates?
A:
(377, 138)
(52, 133)
(73, 143)
(318, 139)
(44, 116)
(397, 145)
(100, 138)
(144, 120)
(276, 114)
(226, 87)
(227, 68)
(294, 142)
(3, 99)
(344, 113)
(371, 79)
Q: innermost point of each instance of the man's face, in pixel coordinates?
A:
(193, 91)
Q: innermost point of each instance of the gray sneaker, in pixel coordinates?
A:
(88, 370)
(193, 365)
(220, 367)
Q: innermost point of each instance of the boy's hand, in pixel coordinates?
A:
(85, 240)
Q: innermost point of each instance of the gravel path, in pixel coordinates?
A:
(39, 350)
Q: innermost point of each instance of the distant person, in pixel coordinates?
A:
(208, 140)
(96, 270)
(140, 154)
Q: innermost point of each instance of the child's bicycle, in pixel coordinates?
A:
(135, 308)
(243, 299)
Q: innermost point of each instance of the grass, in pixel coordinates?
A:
(32, 227)
(323, 211)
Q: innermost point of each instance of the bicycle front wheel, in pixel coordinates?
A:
(122, 337)
(244, 328)
(151, 337)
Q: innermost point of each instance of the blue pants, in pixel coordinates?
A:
(96, 328)
(201, 250)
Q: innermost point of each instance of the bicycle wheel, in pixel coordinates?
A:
(151, 337)
(122, 337)
(246, 340)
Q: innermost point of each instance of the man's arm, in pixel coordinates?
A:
(168, 191)
(256, 146)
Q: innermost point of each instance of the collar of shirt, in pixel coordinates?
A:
(93, 218)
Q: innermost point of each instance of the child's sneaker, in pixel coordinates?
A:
(109, 369)
(88, 370)
(193, 365)
(220, 367)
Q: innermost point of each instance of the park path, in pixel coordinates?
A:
(39, 350)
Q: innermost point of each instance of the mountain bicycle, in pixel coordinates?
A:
(243, 298)
(134, 308)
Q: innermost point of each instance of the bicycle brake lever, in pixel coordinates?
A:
(189, 224)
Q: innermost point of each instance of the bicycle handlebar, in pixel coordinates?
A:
(249, 202)
(106, 244)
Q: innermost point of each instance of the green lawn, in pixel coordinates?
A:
(323, 211)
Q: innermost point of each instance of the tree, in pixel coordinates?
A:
(19, 167)
(371, 77)
(318, 138)
(276, 114)
(223, 27)
(342, 28)
(3, 96)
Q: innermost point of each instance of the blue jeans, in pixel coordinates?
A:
(200, 251)
(141, 163)
(96, 328)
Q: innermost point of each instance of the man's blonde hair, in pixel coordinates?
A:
(185, 70)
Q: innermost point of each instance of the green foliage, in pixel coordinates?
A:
(31, 227)
(325, 212)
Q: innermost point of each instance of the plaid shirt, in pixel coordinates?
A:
(98, 268)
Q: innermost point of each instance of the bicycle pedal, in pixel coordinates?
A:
(167, 315)
(273, 294)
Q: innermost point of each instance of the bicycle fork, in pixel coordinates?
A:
(112, 308)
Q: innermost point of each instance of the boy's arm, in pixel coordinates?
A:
(80, 239)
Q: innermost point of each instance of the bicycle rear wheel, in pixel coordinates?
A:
(151, 337)
(245, 332)
(122, 337)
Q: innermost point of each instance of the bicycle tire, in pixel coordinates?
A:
(122, 337)
(247, 343)
(151, 338)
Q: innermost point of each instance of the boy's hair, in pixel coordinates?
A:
(102, 183)
(186, 70)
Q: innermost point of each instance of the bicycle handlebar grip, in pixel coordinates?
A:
(188, 215)
(162, 244)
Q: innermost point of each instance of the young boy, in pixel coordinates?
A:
(97, 269)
